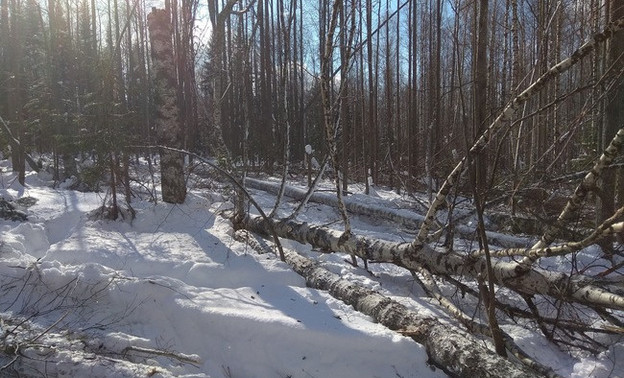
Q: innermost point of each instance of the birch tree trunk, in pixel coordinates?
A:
(331, 127)
(412, 256)
(168, 129)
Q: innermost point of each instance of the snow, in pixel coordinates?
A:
(171, 293)
(174, 280)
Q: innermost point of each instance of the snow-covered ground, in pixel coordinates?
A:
(171, 293)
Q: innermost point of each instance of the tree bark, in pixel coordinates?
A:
(331, 127)
(479, 169)
(167, 123)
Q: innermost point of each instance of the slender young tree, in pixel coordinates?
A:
(345, 116)
(371, 121)
(480, 90)
(480, 163)
(413, 119)
(331, 131)
(433, 125)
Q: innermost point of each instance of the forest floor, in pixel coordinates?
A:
(171, 293)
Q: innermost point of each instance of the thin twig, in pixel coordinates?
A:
(178, 356)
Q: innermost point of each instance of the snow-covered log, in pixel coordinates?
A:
(403, 217)
(453, 350)
(413, 255)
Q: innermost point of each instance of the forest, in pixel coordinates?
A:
(500, 122)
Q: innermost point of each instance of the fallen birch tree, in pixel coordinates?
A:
(402, 217)
(507, 114)
(449, 348)
(412, 256)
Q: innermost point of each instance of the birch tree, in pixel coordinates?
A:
(167, 122)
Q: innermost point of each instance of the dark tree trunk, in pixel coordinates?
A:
(614, 116)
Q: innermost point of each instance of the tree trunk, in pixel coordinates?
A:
(480, 94)
(167, 124)
(614, 118)
(331, 128)
(370, 166)
(16, 145)
(15, 93)
(345, 101)
(479, 170)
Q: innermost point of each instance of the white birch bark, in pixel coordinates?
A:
(608, 228)
(475, 327)
(168, 128)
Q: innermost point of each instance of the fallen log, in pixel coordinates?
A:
(571, 289)
(456, 352)
(402, 217)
